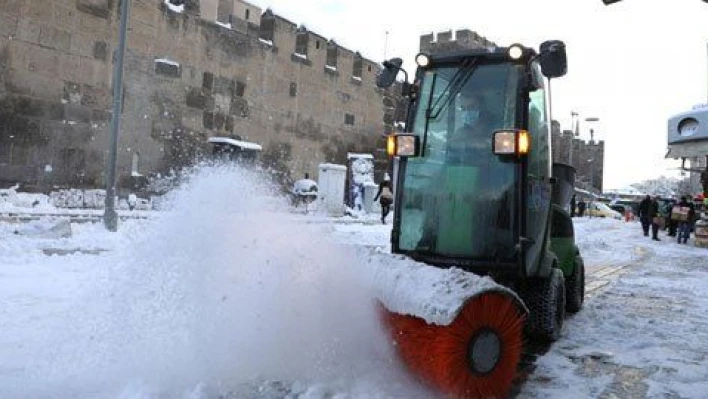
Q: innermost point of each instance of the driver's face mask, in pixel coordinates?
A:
(470, 116)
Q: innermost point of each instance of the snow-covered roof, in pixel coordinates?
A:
(174, 8)
(332, 166)
(351, 155)
(238, 143)
(167, 61)
(223, 24)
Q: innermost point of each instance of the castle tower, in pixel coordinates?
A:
(444, 41)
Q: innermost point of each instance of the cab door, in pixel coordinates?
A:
(538, 188)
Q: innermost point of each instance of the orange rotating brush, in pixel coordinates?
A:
(476, 356)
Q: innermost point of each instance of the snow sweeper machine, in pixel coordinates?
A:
(478, 197)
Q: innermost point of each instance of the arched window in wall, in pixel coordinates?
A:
(302, 40)
(332, 52)
(358, 66)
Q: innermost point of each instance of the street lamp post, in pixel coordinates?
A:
(110, 217)
(573, 116)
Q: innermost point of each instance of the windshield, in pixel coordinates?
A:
(459, 176)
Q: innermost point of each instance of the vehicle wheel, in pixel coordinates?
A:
(575, 289)
(545, 299)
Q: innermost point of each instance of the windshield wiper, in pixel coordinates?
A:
(458, 81)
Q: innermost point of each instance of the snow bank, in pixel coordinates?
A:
(220, 294)
(433, 294)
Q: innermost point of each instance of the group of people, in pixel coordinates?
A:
(679, 223)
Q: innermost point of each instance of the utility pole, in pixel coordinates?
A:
(385, 45)
(573, 117)
(110, 217)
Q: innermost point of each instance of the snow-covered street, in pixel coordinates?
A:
(227, 294)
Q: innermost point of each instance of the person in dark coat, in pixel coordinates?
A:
(572, 206)
(654, 211)
(385, 197)
(671, 223)
(684, 227)
(581, 208)
(644, 214)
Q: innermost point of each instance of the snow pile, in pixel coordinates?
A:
(435, 295)
(219, 295)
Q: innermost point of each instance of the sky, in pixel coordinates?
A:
(632, 64)
(227, 292)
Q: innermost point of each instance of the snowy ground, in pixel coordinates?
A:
(227, 294)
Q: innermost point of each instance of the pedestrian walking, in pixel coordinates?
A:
(684, 213)
(645, 214)
(385, 197)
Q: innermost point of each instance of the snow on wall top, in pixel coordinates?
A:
(351, 155)
(330, 166)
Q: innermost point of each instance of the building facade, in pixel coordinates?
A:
(193, 69)
(586, 156)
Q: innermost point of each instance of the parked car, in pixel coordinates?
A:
(621, 205)
(599, 209)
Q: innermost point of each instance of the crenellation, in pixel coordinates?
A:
(443, 41)
(444, 37)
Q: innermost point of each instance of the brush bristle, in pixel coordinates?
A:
(439, 354)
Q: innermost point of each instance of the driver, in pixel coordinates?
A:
(473, 131)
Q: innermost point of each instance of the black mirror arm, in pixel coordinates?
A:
(389, 65)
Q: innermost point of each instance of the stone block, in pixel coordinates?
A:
(54, 38)
(97, 28)
(43, 61)
(77, 113)
(12, 7)
(100, 115)
(54, 110)
(70, 67)
(37, 11)
(96, 96)
(25, 129)
(8, 26)
(97, 8)
(28, 106)
(28, 30)
(65, 17)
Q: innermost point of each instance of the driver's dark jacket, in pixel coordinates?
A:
(468, 143)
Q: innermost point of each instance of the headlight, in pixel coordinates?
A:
(511, 142)
(423, 60)
(516, 51)
(403, 145)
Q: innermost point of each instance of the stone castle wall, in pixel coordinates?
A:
(265, 79)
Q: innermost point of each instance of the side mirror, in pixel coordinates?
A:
(552, 58)
(403, 145)
(388, 75)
